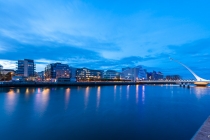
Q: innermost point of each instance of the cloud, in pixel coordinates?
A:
(194, 54)
(101, 36)
(192, 48)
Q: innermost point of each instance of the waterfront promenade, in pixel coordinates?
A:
(204, 132)
(92, 83)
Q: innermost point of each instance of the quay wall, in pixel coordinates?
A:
(38, 84)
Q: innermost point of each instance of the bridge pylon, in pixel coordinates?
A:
(200, 81)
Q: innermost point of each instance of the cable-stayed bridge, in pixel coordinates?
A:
(199, 81)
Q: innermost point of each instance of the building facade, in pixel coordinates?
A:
(155, 75)
(111, 74)
(57, 70)
(73, 72)
(134, 74)
(25, 68)
(173, 77)
(40, 76)
(85, 74)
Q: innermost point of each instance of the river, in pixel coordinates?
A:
(103, 112)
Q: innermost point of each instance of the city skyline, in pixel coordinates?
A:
(107, 34)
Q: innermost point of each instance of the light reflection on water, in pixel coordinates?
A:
(98, 96)
(11, 101)
(110, 108)
(200, 91)
(67, 97)
(128, 88)
(120, 92)
(143, 94)
(87, 90)
(41, 100)
(17, 90)
(115, 91)
(137, 94)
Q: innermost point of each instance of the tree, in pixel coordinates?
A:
(6, 77)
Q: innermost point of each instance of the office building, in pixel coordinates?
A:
(134, 74)
(155, 75)
(40, 76)
(57, 70)
(25, 68)
(111, 74)
(173, 77)
(73, 72)
(88, 74)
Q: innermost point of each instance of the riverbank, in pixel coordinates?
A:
(97, 83)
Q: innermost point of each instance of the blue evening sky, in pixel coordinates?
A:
(107, 34)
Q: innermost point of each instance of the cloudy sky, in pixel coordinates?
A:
(107, 34)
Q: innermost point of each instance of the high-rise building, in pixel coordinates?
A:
(134, 74)
(88, 74)
(25, 68)
(57, 70)
(111, 74)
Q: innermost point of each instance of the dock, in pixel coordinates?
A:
(204, 132)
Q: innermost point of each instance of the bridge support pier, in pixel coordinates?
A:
(200, 83)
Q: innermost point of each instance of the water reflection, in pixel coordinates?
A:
(143, 94)
(137, 93)
(38, 90)
(120, 92)
(27, 91)
(41, 100)
(11, 101)
(115, 88)
(98, 96)
(159, 110)
(67, 97)
(128, 88)
(17, 90)
(87, 90)
(200, 91)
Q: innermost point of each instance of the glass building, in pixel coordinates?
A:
(25, 68)
(88, 74)
(57, 70)
(134, 74)
(111, 74)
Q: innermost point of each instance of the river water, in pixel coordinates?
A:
(103, 112)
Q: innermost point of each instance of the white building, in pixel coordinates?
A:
(26, 68)
(134, 74)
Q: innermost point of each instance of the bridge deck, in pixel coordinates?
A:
(204, 132)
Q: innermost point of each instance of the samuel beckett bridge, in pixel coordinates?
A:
(198, 82)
